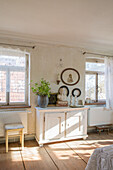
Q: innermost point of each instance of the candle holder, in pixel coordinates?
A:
(58, 79)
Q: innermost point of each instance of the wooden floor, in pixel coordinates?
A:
(71, 155)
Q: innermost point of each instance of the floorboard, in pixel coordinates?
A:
(82, 149)
(71, 155)
(65, 157)
(35, 157)
(11, 160)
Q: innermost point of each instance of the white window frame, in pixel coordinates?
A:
(96, 73)
(14, 68)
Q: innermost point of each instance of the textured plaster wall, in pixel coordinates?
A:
(45, 63)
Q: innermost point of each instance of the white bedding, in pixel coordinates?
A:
(101, 159)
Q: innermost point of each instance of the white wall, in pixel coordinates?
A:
(45, 64)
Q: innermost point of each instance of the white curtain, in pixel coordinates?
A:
(12, 52)
(109, 82)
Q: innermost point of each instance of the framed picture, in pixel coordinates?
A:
(53, 98)
(70, 76)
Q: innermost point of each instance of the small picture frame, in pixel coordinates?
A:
(53, 98)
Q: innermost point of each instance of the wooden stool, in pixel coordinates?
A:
(14, 127)
(103, 127)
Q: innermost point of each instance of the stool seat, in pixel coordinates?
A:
(14, 127)
(103, 127)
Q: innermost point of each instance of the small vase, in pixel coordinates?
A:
(43, 101)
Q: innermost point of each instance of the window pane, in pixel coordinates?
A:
(101, 87)
(17, 86)
(90, 86)
(95, 66)
(12, 61)
(2, 86)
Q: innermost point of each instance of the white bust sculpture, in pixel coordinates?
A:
(62, 96)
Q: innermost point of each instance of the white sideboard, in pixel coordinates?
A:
(60, 123)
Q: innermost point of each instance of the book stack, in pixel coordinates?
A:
(62, 104)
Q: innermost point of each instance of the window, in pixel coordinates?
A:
(95, 80)
(13, 79)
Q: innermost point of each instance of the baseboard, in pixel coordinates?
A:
(16, 138)
(91, 129)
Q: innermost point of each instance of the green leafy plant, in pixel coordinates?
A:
(41, 89)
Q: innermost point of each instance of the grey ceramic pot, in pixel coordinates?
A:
(43, 101)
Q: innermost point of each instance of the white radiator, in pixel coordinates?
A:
(12, 117)
(99, 116)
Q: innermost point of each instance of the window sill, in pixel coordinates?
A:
(96, 103)
(14, 107)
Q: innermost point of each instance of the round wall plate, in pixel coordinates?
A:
(65, 88)
(78, 92)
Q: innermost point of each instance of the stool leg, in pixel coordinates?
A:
(22, 136)
(99, 132)
(6, 141)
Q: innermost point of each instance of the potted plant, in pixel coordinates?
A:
(43, 92)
